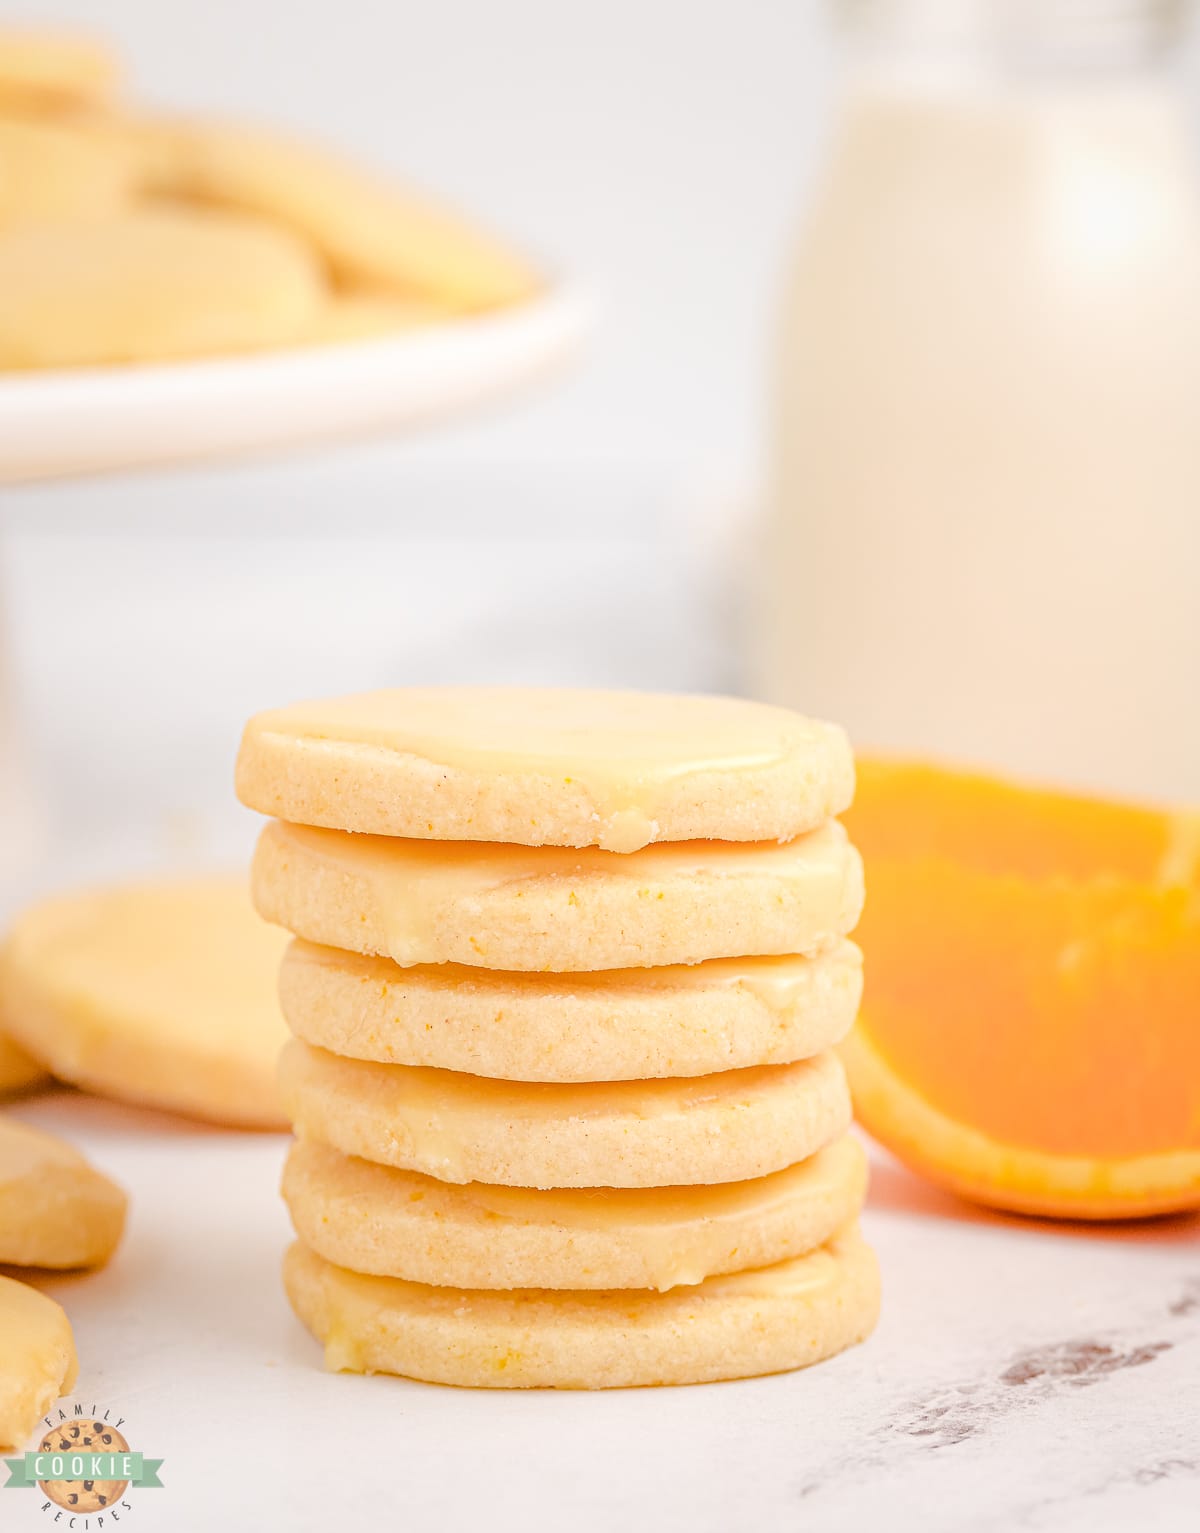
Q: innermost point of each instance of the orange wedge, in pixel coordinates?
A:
(1030, 1032)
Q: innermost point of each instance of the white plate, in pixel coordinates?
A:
(96, 420)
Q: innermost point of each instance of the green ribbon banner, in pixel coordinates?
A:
(73, 1467)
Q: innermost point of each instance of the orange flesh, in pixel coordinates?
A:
(905, 810)
(1033, 961)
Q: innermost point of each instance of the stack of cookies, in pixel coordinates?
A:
(569, 970)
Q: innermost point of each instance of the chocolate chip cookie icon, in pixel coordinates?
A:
(84, 1436)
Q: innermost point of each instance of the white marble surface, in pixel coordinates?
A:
(1024, 1376)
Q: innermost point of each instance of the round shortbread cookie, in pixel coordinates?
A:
(395, 1223)
(40, 68)
(557, 909)
(348, 317)
(163, 994)
(53, 169)
(55, 1209)
(39, 1363)
(151, 283)
(18, 1070)
(368, 229)
(616, 1024)
(764, 1321)
(543, 767)
(465, 1128)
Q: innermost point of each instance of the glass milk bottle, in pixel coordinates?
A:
(983, 531)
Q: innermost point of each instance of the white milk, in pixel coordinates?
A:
(983, 539)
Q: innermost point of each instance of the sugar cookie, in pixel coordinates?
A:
(765, 1321)
(395, 1223)
(555, 908)
(53, 68)
(38, 1355)
(546, 767)
(55, 1209)
(18, 1070)
(368, 229)
(50, 169)
(162, 994)
(150, 283)
(346, 317)
(465, 1128)
(617, 1024)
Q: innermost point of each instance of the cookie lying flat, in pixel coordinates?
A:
(619, 1024)
(18, 1070)
(765, 1321)
(53, 68)
(555, 908)
(546, 767)
(51, 169)
(396, 1223)
(465, 1128)
(38, 1355)
(369, 230)
(346, 317)
(162, 994)
(151, 284)
(55, 1209)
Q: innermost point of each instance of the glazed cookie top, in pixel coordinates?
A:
(56, 1210)
(163, 993)
(546, 767)
(39, 1358)
(554, 909)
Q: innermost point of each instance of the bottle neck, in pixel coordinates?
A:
(1013, 40)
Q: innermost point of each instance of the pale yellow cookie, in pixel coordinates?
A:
(616, 1024)
(140, 138)
(558, 909)
(163, 994)
(465, 1128)
(18, 1070)
(546, 767)
(368, 229)
(151, 284)
(55, 1209)
(53, 68)
(37, 1359)
(763, 1321)
(347, 317)
(397, 1223)
(51, 169)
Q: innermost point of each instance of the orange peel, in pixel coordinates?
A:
(1030, 1034)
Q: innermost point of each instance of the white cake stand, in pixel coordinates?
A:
(103, 419)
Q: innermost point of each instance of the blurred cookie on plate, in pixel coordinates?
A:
(370, 230)
(150, 284)
(41, 68)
